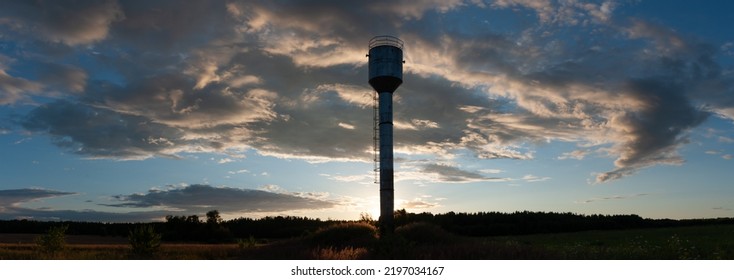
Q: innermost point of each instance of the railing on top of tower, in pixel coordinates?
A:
(386, 41)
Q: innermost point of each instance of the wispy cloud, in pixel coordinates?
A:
(417, 204)
(577, 155)
(608, 198)
(532, 178)
(452, 174)
(364, 178)
(15, 197)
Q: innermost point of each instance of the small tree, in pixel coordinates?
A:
(144, 241)
(213, 218)
(54, 241)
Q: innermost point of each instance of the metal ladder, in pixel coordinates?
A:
(376, 136)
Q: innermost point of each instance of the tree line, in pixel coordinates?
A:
(212, 228)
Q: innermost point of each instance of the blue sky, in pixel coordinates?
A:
(130, 111)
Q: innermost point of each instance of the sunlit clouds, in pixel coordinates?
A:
(485, 82)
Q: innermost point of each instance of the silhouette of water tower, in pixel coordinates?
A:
(386, 75)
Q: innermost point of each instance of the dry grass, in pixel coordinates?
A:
(332, 253)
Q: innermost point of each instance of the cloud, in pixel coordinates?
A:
(653, 133)
(345, 125)
(198, 198)
(665, 39)
(11, 202)
(451, 174)
(76, 23)
(14, 89)
(532, 178)
(577, 155)
(101, 133)
(288, 80)
(417, 203)
(67, 77)
(616, 197)
(15, 197)
(563, 12)
(362, 178)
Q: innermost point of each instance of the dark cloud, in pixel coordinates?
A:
(11, 198)
(166, 25)
(197, 198)
(71, 23)
(62, 77)
(101, 133)
(654, 132)
(452, 174)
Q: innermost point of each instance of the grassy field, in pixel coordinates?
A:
(700, 242)
(415, 241)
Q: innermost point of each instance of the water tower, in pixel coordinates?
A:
(386, 75)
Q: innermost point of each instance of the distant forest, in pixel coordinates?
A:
(213, 229)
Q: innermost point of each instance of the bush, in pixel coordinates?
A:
(345, 235)
(144, 241)
(54, 241)
(424, 233)
(246, 243)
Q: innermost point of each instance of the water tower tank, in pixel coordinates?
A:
(386, 63)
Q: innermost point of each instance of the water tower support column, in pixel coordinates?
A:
(387, 190)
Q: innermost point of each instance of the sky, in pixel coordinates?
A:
(133, 110)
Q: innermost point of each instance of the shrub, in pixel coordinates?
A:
(424, 233)
(144, 241)
(345, 235)
(247, 243)
(54, 241)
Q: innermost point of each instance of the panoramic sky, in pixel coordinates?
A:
(134, 110)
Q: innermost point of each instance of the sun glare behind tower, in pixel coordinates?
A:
(386, 75)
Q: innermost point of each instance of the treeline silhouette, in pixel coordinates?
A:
(527, 222)
(212, 229)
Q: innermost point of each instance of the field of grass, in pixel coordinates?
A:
(699, 242)
(414, 241)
